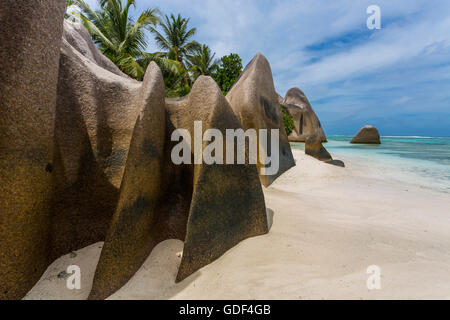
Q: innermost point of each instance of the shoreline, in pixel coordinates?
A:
(329, 225)
(370, 162)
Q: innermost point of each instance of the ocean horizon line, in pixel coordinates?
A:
(391, 136)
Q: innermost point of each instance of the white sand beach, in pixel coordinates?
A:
(329, 225)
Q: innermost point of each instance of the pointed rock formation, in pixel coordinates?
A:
(95, 117)
(314, 148)
(227, 202)
(255, 102)
(30, 39)
(367, 135)
(307, 123)
(80, 39)
(160, 200)
(134, 229)
(86, 157)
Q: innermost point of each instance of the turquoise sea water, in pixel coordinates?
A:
(424, 161)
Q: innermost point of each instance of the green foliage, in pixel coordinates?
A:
(178, 91)
(176, 44)
(175, 40)
(229, 70)
(123, 40)
(117, 35)
(202, 62)
(288, 121)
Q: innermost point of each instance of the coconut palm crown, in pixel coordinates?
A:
(175, 39)
(117, 35)
(202, 62)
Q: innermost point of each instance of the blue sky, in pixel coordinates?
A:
(396, 78)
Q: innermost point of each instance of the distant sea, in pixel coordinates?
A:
(424, 161)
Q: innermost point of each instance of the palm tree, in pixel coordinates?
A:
(120, 38)
(202, 62)
(176, 41)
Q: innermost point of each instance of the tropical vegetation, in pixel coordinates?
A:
(202, 62)
(124, 40)
(228, 71)
(288, 120)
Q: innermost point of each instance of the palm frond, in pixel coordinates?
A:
(94, 30)
(164, 63)
(161, 41)
(119, 37)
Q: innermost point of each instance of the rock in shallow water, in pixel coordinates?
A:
(367, 135)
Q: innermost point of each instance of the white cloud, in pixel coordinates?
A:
(393, 45)
(407, 58)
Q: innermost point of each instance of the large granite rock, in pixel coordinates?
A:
(95, 117)
(30, 38)
(367, 135)
(134, 230)
(256, 104)
(226, 202)
(209, 207)
(91, 161)
(307, 123)
(80, 40)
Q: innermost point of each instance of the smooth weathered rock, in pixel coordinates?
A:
(226, 201)
(95, 117)
(30, 38)
(209, 207)
(367, 135)
(314, 148)
(79, 38)
(337, 163)
(86, 157)
(307, 123)
(255, 102)
(134, 230)
(280, 99)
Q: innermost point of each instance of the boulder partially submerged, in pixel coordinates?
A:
(367, 135)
